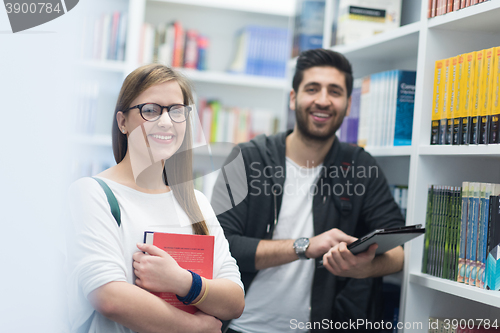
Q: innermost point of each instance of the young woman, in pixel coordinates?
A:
(152, 184)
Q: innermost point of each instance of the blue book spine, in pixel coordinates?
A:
(473, 235)
(311, 24)
(404, 108)
(484, 239)
(463, 233)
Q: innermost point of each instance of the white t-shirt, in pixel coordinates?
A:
(282, 293)
(101, 252)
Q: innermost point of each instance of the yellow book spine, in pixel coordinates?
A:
(485, 107)
(495, 98)
(444, 111)
(478, 91)
(468, 89)
(452, 99)
(458, 105)
(436, 98)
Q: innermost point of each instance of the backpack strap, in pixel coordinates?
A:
(347, 155)
(113, 203)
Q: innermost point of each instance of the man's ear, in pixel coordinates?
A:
(293, 97)
(348, 111)
(120, 120)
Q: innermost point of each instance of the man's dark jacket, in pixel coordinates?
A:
(333, 298)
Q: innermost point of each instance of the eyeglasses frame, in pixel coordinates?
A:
(140, 106)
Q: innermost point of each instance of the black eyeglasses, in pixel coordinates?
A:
(152, 111)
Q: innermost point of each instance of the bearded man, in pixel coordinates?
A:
(309, 196)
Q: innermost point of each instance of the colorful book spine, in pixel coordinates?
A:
(482, 234)
(404, 108)
(493, 250)
(462, 248)
(495, 99)
(428, 228)
(485, 98)
(468, 88)
(457, 78)
(478, 91)
(436, 101)
(474, 203)
(444, 111)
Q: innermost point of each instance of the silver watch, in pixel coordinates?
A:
(300, 246)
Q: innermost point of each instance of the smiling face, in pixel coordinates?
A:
(321, 103)
(164, 136)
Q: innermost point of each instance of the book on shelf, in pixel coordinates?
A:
(495, 102)
(262, 51)
(441, 7)
(400, 194)
(104, 37)
(220, 123)
(476, 97)
(457, 109)
(465, 99)
(309, 18)
(173, 45)
(460, 227)
(193, 252)
(348, 131)
(386, 109)
(492, 273)
(472, 222)
(85, 116)
(361, 19)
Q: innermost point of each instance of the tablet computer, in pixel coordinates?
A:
(386, 239)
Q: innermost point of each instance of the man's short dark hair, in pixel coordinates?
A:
(322, 58)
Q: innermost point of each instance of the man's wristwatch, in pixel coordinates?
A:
(300, 246)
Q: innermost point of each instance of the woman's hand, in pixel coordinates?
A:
(158, 271)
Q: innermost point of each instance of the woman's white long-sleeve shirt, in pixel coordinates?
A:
(101, 251)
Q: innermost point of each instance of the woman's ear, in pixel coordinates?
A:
(121, 120)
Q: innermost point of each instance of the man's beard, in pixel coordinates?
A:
(301, 119)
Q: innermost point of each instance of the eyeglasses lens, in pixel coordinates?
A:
(151, 111)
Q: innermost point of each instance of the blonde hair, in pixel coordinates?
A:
(179, 167)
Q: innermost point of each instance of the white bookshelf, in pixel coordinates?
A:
(223, 78)
(423, 296)
(416, 45)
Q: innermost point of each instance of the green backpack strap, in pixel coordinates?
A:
(113, 203)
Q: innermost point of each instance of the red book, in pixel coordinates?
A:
(178, 58)
(191, 50)
(193, 252)
(456, 5)
(449, 7)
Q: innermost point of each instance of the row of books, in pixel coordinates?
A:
(173, 45)
(400, 194)
(262, 51)
(219, 123)
(105, 38)
(454, 325)
(440, 7)
(465, 103)
(462, 237)
(352, 20)
(381, 110)
(84, 119)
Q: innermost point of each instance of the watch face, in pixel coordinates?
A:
(301, 242)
